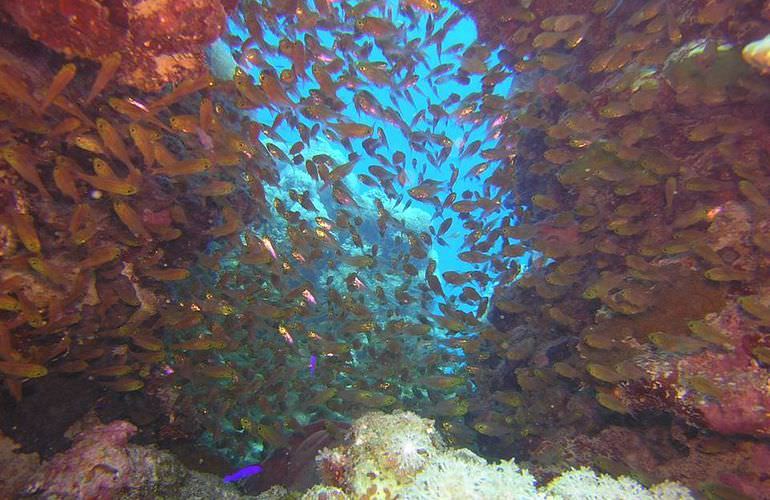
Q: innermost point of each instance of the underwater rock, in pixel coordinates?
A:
(16, 467)
(403, 455)
(722, 389)
(39, 422)
(662, 451)
(102, 464)
(159, 41)
(95, 466)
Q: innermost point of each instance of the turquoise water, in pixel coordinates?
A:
(425, 92)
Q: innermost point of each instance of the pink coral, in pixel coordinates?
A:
(723, 389)
(96, 466)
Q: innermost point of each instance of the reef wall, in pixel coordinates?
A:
(642, 160)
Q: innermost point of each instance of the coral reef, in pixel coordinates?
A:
(249, 249)
(159, 41)
(641, 161)
(165, 248)
(403, 455)
(102, 464)
(659, 452)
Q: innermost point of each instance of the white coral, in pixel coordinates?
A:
(461, 475)
(402, 455)
(584, 484)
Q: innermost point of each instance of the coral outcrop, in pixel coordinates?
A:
(701, 462)
(102, 464)
(403, 455)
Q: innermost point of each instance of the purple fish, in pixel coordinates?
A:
(312, 365)
(243, 473)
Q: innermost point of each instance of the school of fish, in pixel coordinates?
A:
(142, 251)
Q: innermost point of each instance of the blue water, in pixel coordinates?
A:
(424, 93)
(416, 216)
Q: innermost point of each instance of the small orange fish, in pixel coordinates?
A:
(111, 371)
(218, 372)
(375, 72)
(271, 85)
(59, 83)
(231, 224)
(25, 228)
(143, 140)
(199, 344)
(376, 27)
(103, 169)
(65, 127)
(350, 129)
(147, 341)
(22, 160)
(22, 369)
(109, 65)
(83, 226)
(187, 124)
(167, 274)
(185, 88)
(432, 6)
(15, 88)
(100, 257)
(113, 141)
(131, 219)
(183, 167)
(325, 81)
(70, 107)
(215, 188)
(75, 366)
(48, 270)
(124, 384)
